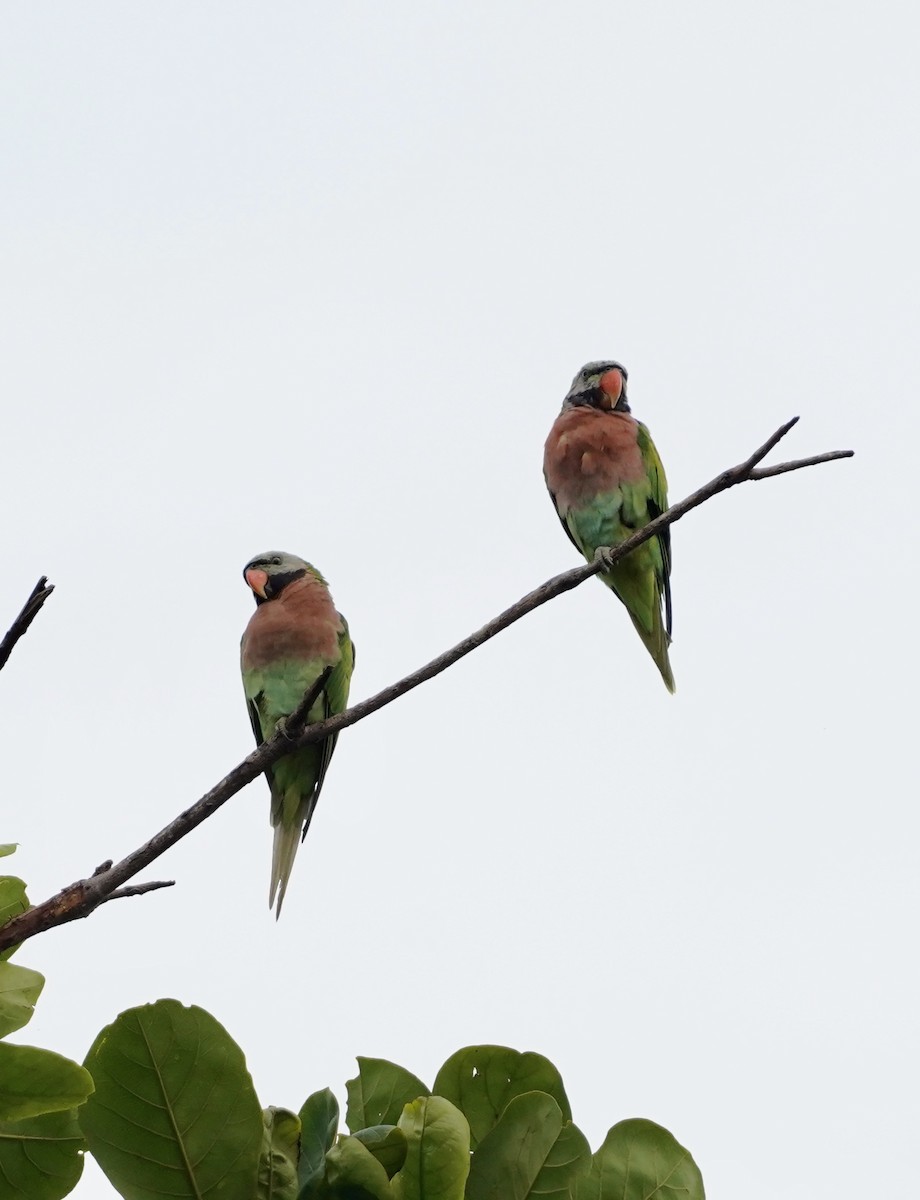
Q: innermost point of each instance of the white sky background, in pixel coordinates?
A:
(317, 277)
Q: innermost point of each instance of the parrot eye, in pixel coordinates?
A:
(276, 561)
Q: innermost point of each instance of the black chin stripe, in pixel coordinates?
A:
(595, 398)
(589, 398)
(277, 583)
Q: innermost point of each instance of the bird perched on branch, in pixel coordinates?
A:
(294, 635)
(606, 480)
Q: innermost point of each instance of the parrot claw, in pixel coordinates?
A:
(282, 728)
(602, 556)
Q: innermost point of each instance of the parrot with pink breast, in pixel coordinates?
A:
(606, 481)
(294, 635)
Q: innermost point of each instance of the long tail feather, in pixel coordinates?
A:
(638, 592)
(656, 643)
(284, 851)
(289, 833)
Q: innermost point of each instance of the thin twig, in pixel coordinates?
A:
(40, 594)
(786, 467)
(773, 440)
(81, 898)
(139, 889)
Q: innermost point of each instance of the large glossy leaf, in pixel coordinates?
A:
(34, 1081)
(531, 1152)
(19, 990)
(641, 1161)
(7, 848)
(319, 1122)
(278, 1161)
(438, 1153)
(379, 1093)
(13, 901)
(174, 1113)
(352, 1173)
(41, 1158)
(481, 1080)
(388, 1145)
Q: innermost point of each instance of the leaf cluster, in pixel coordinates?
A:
(41, 1145)
(174, 1114)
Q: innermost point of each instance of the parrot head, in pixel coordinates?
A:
(599, 385)
(269, 574)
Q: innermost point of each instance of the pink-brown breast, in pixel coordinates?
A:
(301, 623)
(589, 452)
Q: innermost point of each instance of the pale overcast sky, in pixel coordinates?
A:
(317, 277)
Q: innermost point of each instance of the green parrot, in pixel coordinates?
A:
(292, 637)
(606, 481)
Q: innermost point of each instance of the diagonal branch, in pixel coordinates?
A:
(40, 594)
(81, 898)
(567, 580)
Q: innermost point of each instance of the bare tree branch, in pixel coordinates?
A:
(40, 594)
(81, 898)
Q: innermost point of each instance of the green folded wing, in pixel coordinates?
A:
(656, 504)
(335, 700)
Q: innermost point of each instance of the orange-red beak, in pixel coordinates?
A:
(257, 580)
(611, 384)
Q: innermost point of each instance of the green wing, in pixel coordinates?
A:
(256, 723)
(334, 700)
(656, 504)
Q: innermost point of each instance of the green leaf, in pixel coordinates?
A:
(41, 1158)
(438, 1154)
(319, 1122)
(174, 1112)
(388, 1145)
(280, 1149)
(13, 901)
(34, 1081)
(379, 1093)
(19, 990)
(353, 1173)
(641, 1161)
(7, 848)
(481, 1080)
(531, 1152)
